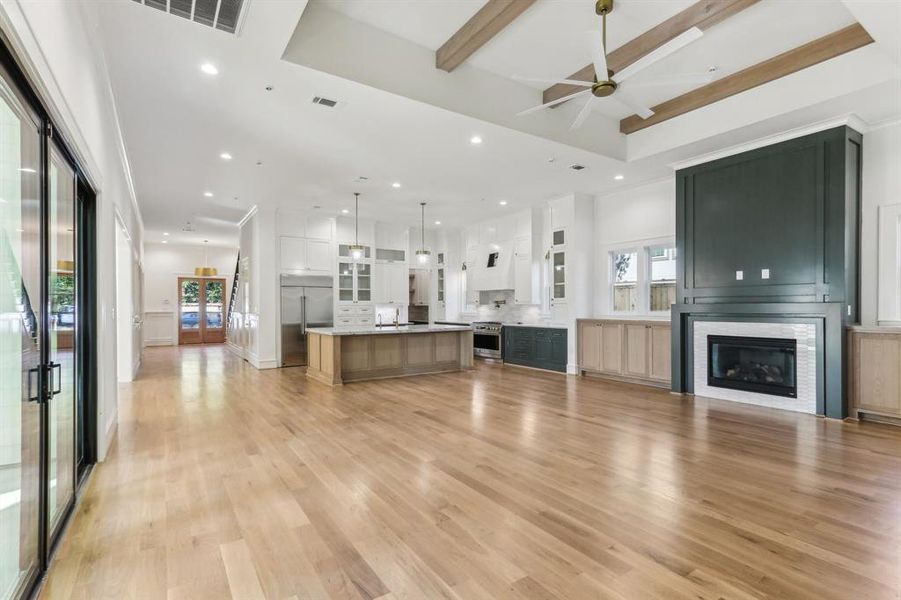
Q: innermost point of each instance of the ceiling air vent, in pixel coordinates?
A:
(576, 167)
(325, 101)
(223, 15)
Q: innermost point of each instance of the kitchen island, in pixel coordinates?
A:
(339, 355)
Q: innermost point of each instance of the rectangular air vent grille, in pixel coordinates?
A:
(325, 101)
(223, 15)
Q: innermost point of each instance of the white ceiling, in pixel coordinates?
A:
(177, 121)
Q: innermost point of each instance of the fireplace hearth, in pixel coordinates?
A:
(753, 364)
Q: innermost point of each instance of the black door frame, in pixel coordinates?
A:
(86, 302)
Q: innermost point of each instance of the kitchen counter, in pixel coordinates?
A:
(539, 325)
(338, 355)
(386, 329)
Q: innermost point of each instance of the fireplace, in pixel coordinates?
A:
(753, 364)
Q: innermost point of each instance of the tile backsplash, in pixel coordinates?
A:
(508, 312)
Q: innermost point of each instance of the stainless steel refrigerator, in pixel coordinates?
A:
(307, 301)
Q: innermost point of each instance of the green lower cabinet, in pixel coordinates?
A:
(539, 347)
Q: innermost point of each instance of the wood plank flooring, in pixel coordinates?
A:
(227, 482)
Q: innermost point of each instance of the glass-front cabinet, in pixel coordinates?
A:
(354, 282)
(557, 257)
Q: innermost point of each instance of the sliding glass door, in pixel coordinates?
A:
(20, 342)
(45, 365)
(63, 320)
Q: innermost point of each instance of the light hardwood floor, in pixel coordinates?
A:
(496, 483)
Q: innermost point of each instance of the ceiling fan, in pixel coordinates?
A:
(610, 85)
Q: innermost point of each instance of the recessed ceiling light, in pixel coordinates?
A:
(345, 211)
(437, 222)
(209, 68)
(208, 194)
(225, 156)
(619, 177)
(475, 140)
(396, 184)
(503, 203)
(165, 242)
(165, 233)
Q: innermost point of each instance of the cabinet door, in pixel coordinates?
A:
(363, 282)
(543, 355)
(381, 284)
(292, 253)
(635, 357)
(590, 346)
(660, 352)
(559, 348)
(319, 255)
(522, 279)
(346, 282)
(612, 348)
(319, 228)
(518, 344)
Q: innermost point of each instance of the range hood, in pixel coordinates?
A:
(493, 269)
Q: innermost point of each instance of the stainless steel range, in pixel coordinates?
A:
(488, 339)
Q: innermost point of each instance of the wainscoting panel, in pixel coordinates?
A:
(159, 328)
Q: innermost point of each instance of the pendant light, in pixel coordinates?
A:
(356, 250)
(422, 255)
(205, 271)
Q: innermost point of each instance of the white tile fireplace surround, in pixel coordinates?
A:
(806, 375)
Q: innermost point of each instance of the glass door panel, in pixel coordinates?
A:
(364, 282)
(212, 304)
(189, 311)
(20, 349)
(559, 275)
(345, 282)
(62, 313)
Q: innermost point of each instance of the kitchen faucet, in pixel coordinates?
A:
(396, 317)
(380, 319)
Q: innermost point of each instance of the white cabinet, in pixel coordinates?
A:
(522, 279)
(390, 236)
(319, 228)
(319, 255)
(346, 233)
(390, 284)
(301, 254)
(293, 253)
(354, 282)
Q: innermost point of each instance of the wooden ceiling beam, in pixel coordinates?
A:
(822, 49)
(703, 15)
(477, 31)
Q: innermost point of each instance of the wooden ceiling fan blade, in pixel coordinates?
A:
(629, 101)
(552, 81)
(583, 114)
(552, 103)
(674, 80)
(659, 53)
(598, 54)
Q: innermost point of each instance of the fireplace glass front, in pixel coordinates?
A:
(762, 365)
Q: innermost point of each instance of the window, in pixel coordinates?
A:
(662, 292)
(625, 281)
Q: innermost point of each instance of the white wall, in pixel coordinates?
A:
(638, 216)
(879, 271)
(163, 265)
(56, 42)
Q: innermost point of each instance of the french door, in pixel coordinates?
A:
(41, 338)
(201, 310)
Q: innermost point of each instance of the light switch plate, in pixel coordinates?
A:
(739, 275)
(764, 273)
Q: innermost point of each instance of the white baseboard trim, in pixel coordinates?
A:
(107, 441)
(234, 348)
(159, 342)
(261, 364)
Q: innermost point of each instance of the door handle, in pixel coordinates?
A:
(54, 380)
(34, 377)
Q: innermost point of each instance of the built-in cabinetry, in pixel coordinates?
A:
(418, 287)
(305, 243)
(874, 374)
(354, 315)
(633, 350)
(390, 283)
(538, 347)
(354, 282)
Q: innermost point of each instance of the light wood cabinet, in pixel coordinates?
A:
(874, 374)
(630, 350)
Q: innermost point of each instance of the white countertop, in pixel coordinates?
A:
(629, 317)
(387, 329)
(545, 325)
